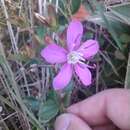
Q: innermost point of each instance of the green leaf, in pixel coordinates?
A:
(122, 11)
(114, 24)
(48, 111)
(62, 20)
(110, 29)
(125, 38)
(53, 95)
(32, 103)
(108, 60)
(41, 32)
(75, 5)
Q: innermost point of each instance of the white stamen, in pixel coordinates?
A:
(82, 63)
(75, 57)
(91, 67)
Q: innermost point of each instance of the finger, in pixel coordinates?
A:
(70, 122)
(110, 105)
(105, 127)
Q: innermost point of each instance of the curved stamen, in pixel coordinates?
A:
(91, 66)
(75, 57)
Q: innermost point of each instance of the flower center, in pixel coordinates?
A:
(75, 57)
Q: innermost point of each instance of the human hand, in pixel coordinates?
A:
(107, 110)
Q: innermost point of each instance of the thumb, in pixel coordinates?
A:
(70, 122)
(104, 107)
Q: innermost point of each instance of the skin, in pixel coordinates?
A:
(107, 110)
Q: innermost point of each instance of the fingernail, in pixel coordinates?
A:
(62, 122)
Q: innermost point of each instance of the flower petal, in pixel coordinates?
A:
(54, 54)
(74, 34)
(89, 48)
(63, 77)
(84, 74)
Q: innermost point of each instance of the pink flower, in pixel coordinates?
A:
(73, 58)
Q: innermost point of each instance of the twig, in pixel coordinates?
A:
(127, 79)
(45, 8)
(57, 4)
(97, 78)
(8, 117)
(12, 37)
(40, 6)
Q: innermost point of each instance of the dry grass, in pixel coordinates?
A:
(25, 78)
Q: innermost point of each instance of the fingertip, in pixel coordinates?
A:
(62, 122)
(70, 122)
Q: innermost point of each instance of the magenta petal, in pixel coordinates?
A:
(63, 77)
(84, 74)
(54, 54)
(74, 33)
(89, 48)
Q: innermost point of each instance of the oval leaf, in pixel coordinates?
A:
(32, 103)
(75, 5)
(48, 110)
